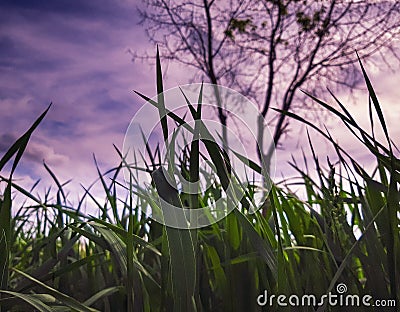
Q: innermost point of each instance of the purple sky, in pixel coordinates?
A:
(76, 57)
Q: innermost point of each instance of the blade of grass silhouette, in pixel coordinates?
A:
(20, 145)
(170, 114)
(393, 200)
(374, 98)
(5, 236)
(17, 148)
(180, 245)
(160, 97)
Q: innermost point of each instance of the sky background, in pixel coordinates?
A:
(76, 56)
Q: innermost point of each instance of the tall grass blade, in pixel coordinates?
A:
(181, 252)
(20, 145)
(160, 98)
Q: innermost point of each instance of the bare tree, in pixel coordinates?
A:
(269, 49)
(194, 33)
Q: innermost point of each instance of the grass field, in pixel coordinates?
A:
(54, 257)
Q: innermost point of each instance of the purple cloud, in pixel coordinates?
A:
(76, 57)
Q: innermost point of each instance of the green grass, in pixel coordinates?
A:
(56, 258)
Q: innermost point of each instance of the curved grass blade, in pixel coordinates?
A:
(67, 300)
(32, 300)
(20, 145)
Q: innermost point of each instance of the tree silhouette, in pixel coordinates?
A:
(269, 49)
